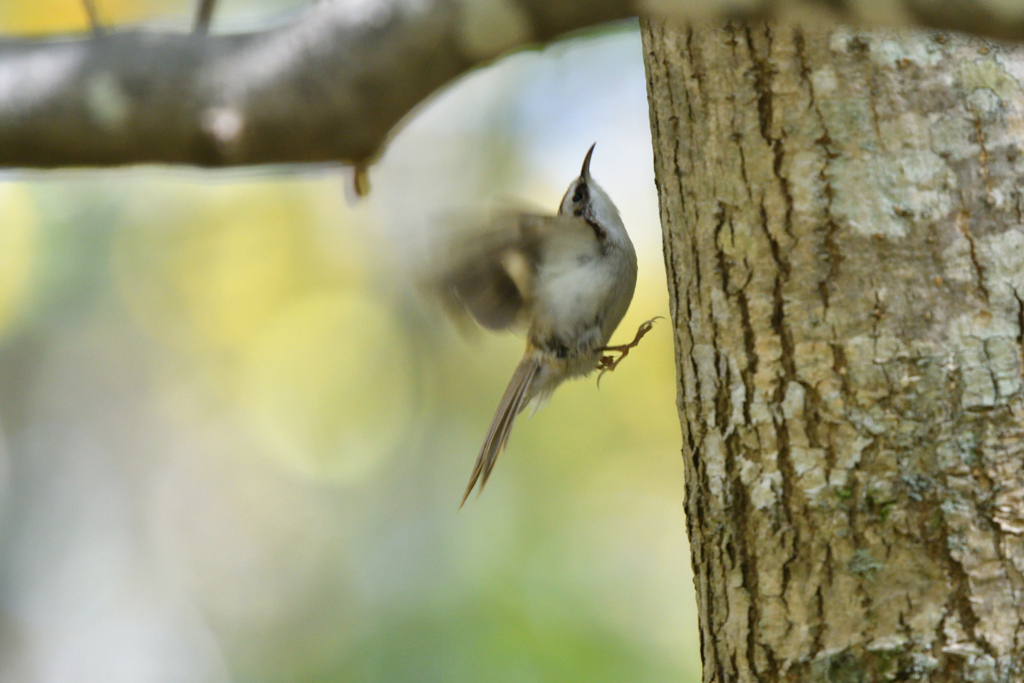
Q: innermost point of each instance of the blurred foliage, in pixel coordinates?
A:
(44, 17)
(17, 249)
(234, 439)
(41, 17)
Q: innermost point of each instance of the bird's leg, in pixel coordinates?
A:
(641, 331)
(608, 363)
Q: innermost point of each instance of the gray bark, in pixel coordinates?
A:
(333, 84)
(845, 248)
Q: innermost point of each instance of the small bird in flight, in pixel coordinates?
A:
(569, 277)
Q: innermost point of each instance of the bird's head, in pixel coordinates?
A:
(586, 199)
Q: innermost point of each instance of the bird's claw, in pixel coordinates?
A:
(609, 363)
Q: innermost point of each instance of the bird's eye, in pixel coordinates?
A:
(580, 194)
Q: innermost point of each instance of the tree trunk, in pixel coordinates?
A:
(844, 242)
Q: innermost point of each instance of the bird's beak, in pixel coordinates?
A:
(585, 173)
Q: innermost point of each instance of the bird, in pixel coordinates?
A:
(568, 278)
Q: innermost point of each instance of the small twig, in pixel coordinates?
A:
(94, 18)
(361, 179)
(204, 14)
(609, 363)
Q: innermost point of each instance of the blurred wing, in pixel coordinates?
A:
(488, 274)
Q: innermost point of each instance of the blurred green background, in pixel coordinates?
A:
(234, 439)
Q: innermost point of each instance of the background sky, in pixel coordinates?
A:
(234, 438)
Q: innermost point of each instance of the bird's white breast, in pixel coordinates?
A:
(572, 291)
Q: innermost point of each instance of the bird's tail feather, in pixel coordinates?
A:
(517, 395)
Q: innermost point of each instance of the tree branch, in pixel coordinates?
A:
(331, 85)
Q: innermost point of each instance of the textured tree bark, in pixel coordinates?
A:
(844, 242)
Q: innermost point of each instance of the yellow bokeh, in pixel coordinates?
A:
(206, 278)
(244, 280)
(18, 230)
(327, 385)
(41, 17)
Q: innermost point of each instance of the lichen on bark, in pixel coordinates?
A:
(845, 249)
